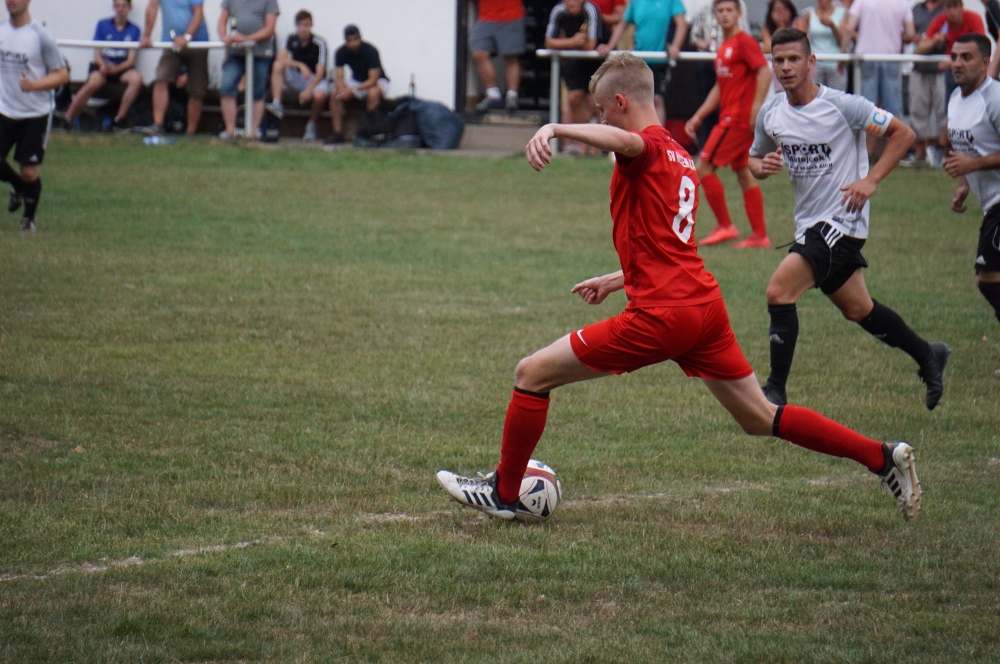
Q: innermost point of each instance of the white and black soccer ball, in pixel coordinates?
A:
(540, 493)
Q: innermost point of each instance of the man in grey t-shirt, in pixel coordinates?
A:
(243, 22)
(927, 101)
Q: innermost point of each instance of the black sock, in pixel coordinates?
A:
(31, 193)
(885, 324)
(8, 174)
(992, 294)
(783, 334)
(540, 395)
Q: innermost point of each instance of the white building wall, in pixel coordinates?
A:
(415, 38)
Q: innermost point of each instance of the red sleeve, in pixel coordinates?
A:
(976, 23)
(751, 53)
(935, 26)
(630, 166)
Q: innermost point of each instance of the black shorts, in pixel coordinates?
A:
(577, 73)
(660, 78)
(988, 251)
(834, 257)
(110, 78)
(29, 135)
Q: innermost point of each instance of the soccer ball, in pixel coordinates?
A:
(540, 493)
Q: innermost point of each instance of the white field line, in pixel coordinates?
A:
(136, 561)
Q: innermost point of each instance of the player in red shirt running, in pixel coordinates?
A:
(742, 81)
(675, 310)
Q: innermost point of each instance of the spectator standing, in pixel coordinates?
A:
(927, 98)
(652, 20)
(576, 25)
(242, 22)
(112, 65)
(498, 29)
(301, 67)
(881, 28)
(823, 26)
(944, 29)
(993, 18)
(705, 31)
(780, 14)
(369, 80)
(183, 23)
(612, 12)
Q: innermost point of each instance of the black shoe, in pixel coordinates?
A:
(336, 138)
(121, 126)
(932, 373)
(775, 395)
(27, 224)
(14, 202)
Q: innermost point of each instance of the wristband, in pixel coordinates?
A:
(188, 37)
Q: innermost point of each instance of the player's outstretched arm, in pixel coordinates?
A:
(602, 137)
(898, 138)
(958, 200)
(594, 291)
(766, 166)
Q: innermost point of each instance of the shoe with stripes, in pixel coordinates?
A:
(476, 492)
(899, 477)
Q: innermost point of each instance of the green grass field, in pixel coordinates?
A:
(228, 375)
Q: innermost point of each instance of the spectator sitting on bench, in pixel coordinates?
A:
(301, 67)
(112, 65)
(369, 85)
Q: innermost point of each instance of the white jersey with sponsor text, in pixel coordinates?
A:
(974, 130)
(26, 51)
(823, 146)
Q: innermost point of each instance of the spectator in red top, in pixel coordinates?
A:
(499, 29)
(945, 29)
(611, 11)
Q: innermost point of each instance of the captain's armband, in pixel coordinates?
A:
(877, 122)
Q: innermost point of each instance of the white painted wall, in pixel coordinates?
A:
(413, 37)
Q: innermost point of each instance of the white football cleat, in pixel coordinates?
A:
(900, 478)
(476, 492)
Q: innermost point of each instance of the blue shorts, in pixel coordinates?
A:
(882, 85)
(233, 69)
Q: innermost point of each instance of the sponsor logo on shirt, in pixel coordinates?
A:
(807, 160)
(14, 58)
(962, 140)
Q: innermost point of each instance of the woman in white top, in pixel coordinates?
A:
(822, 23)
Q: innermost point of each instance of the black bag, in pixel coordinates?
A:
(270, 127)
(375, 127)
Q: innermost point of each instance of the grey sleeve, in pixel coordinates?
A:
(992, 96)
(272, 7)
(856, 109)
(50, 50)
(762, 143)
(226, 7)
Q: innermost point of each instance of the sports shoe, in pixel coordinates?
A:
(754, 242)
(932, 373)
(310, 134)
(14, 202)
(489, 104)
(719, 235)
(335, 138)
(121, 126)
(27, 224)
(511, 103)
(899, 476)
(276, 108)
(774, 394)
(477, 492)
(153, 130)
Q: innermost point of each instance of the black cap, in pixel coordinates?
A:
(351, 31)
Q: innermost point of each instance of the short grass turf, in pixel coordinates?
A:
(228, 376)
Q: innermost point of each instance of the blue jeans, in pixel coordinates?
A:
(233, 70)
(881, 81)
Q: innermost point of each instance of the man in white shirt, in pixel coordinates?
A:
(819, 134)
(31, 68)
(974, 132)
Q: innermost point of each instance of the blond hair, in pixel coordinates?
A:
(623, 74)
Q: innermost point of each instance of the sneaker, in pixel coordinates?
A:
(14, 202)
(276, 108)
(477, 492)
(512, 103)
(489, 104)
(900, 478)
(720, 235)
(27, 224)
(774, 394)
(224, 136)
(153, 130)
(909, 161)
(310, 134)
(121, 126)
(932, 373)
(935, 156)
(335, 138)
(754, 242)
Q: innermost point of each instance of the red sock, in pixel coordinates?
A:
(754, 202)
(809, 429)
(715, 194)
(521, 431)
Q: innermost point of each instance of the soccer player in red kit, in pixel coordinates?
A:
(675, 310)
(742, 81)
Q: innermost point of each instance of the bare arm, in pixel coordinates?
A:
(848, 31)
(602, 137)
(763, 87)
(615, 16)
(993, 71)
(151, 10)
(577, 42)
(899, 138)
(710, 104)
(960, 165)
(680, 34)
(616, 35)
(909, 33)
(197, 16)
(764, 167)
(372, 80)
(958, 200)
(54, 79)
(595, 290)
(223, 27)
(126, 64)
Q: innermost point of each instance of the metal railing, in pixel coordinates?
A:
(195, 45)
(556, 57)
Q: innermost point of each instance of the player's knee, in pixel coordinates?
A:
(29, 174)
(855, 312)
(776, 294)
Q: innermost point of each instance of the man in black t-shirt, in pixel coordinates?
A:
(576, 25)
(301, 67)
(369, 82)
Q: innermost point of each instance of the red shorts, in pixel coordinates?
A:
(697, 337)
(728, 145)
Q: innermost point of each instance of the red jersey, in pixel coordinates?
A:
(971, 23)
(607, 6)
(736, 65)
(654, 198)
(500, 10)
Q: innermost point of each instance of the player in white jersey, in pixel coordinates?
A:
(31, 68)
(974, 132)
(819, 134)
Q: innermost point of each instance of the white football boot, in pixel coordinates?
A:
(899, 477)
(476, 492)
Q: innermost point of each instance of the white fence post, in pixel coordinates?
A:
(248, 96)
(554, 102)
